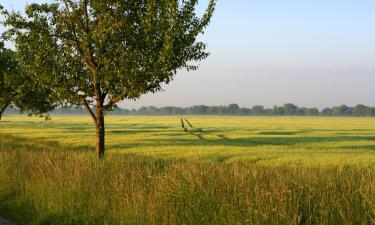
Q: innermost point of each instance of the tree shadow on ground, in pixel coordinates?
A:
(359, 147)
(237, 142)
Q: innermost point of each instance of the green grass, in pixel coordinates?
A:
(224, 170)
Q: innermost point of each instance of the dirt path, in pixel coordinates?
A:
(5, 222)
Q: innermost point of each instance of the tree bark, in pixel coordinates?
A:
(100, 131)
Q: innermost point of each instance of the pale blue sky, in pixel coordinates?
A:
(309, 52)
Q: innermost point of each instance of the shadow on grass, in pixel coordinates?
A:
(360, 147)
(11, 142)
(280, 132)
(16, 211)
(238, 142)
(138, 131)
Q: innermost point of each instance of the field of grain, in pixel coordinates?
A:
(223, 170)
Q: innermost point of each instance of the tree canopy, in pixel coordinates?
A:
(7, 69)
(19, 89)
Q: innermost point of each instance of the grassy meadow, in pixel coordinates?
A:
(224, 170)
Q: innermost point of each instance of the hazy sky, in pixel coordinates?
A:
(309, 52)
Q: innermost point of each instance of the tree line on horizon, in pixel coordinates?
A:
(288, 109)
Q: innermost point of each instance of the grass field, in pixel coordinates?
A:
(224, 170)
(263, 140)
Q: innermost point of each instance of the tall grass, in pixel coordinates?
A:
(44, 184)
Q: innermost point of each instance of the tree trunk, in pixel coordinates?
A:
(2, 110)
(100, 131)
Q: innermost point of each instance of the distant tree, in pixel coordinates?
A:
(312, 112)
(267, 112)
(178, 111)
(152, 110)
(166, 110)
(244, 111)
(142, 111)
(290, 109)
(120, 111)
(198, 110)
(97, 53)
(233, 109)
(361, 110)
(278, 110)
(342, 110)
(326, 112)
(301, 111)
(371, 111)
(213, 110)
(223, 110)
(258, 110)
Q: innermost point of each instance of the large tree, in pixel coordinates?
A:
(96, 53)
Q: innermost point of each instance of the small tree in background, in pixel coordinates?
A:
(233, 109)
(98, 53)
(290, 109)
(258, 110)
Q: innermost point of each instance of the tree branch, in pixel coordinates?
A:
(88, 109)
(75, 38)
(85, 3)
(85, 103)
(112, 102)
(2, 110)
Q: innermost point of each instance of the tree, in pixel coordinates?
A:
(214, 110)
(233, 109)
(198, 110)
(152, 110)
(371, 111)
(301, 111)
(19, 89)
(245, 111)
(178, 111)
(290, 109)
(312, 112)
(341, 110)
(278, 110)
(361, 110)
(142, 111)
(258, 110)
(98, 53)
(327, 112)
